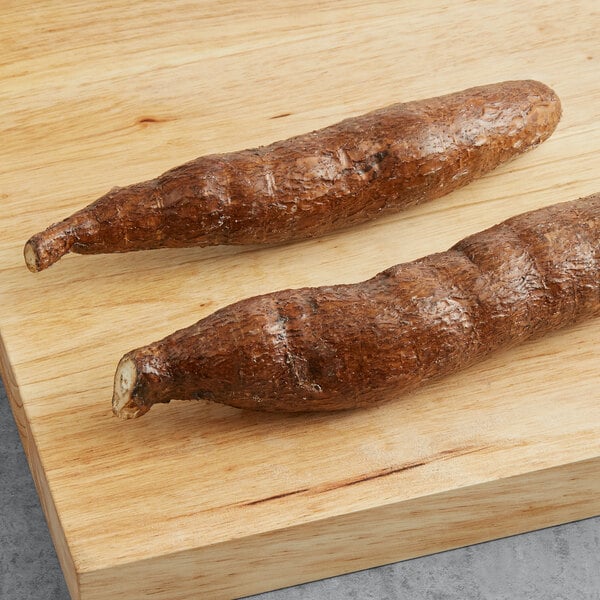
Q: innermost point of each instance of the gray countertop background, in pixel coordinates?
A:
(559, 563)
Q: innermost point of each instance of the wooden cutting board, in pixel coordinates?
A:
(203, 501)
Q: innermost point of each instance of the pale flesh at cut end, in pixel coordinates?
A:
(123, 402)
(31, 257)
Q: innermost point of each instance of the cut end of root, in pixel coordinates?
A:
(31, 257)
(123, 404)
(43, 249)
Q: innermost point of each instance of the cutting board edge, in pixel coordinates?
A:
(332, 546)
(38, 474)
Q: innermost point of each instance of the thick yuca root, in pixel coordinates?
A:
(349, 173)
(344, 346)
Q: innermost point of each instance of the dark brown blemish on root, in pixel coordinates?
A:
(280, 116)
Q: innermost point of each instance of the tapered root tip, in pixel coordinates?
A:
(43, 249)
(123, 403)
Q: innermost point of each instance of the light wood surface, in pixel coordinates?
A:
(195, 500)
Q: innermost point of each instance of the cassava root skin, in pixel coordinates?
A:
(345, 346)
(348, 173)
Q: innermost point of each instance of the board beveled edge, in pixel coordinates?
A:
(39, 476)
(360, 540)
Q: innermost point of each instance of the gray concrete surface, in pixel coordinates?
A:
(559, 563)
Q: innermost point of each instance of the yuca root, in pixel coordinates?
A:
(349, 173)
(345, 346)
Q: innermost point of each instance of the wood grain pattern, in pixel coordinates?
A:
(206, 500)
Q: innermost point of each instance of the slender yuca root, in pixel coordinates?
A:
(348, 173)
(345, 346)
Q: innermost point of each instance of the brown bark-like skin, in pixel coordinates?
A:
(351, 172)
(346, 346)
